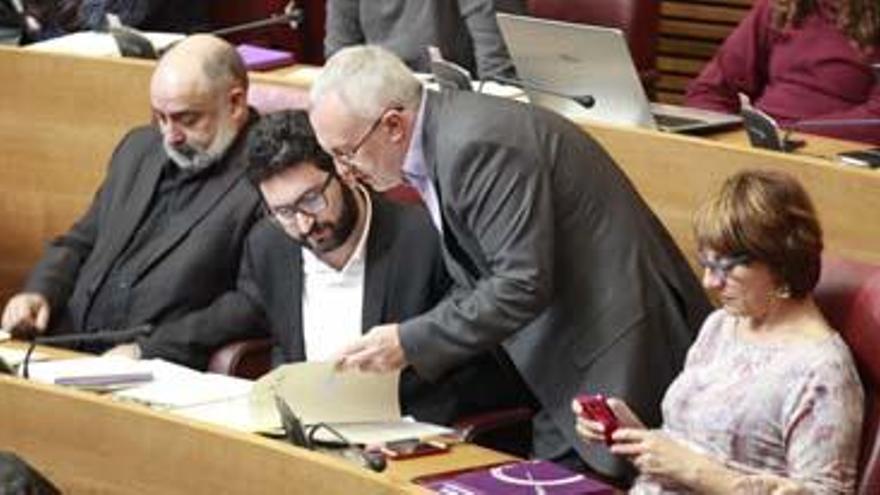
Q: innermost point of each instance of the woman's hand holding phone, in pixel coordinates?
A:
(599, 417)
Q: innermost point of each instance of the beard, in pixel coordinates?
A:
(192, 158)
(341, 229)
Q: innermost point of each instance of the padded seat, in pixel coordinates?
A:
(848, 294)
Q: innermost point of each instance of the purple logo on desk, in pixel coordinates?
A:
(527, 477)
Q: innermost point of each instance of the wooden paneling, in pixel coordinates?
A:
(690, 33)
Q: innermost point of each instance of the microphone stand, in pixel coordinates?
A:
(292, 15)
(296, 434)
(831, 122)
(111, 336)
(449, 74)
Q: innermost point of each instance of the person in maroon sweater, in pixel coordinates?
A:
(801, 61)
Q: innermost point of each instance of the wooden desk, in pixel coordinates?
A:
(89, 443)
(676, 173)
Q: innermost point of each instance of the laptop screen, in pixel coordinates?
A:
(578, 59)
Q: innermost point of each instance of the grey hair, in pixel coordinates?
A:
(369, 80)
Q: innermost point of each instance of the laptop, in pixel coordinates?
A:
(581, 59)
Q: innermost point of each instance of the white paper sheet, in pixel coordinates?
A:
(176, 386)
(95, 44)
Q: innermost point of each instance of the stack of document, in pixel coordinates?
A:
(175, 386)
(362, 407)
(98, 373)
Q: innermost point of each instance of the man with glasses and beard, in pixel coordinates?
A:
(366, 261)
(163, 237)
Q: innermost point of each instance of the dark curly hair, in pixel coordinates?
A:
(283, 140)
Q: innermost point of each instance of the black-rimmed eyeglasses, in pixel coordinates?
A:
(310, 204)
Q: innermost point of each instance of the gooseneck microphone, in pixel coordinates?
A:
(292, 15)
(297, 434)
(584, 100)
(451, 75)
(101, 336)
(806, 124)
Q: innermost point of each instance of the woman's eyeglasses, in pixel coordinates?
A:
(721, 267)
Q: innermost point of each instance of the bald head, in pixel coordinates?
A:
(199, 99)
(202, 60)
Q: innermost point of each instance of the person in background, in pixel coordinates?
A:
(801, 61)
(333, 259)
(163, 236)
(190, 16)
(769, 400)
(465, 31)
(559, 266)
(46, 19)
(51, 18)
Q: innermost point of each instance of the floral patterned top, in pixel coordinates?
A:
(789, 409)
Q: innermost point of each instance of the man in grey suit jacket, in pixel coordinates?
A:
(465, 31)
(554, 255)
(163, 237)
(366, 261)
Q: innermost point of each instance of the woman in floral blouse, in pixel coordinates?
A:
(769, 400)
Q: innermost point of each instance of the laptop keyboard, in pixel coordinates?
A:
(665, 121)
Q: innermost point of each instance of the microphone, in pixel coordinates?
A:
(101, 336)
(292, 15)
(295, 434)
(764, 131)
(132, 43)
(584, 100)
(453, 76)
(831, 122)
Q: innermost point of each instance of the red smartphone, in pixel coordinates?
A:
(595, 408)
(407, 449)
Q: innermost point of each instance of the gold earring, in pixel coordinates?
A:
(783, 292)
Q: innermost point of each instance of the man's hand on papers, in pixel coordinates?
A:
(26, 315)
(378, 351)
(131, 350)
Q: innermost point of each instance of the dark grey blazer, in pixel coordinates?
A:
(195, 261)
(404, 277)
(557, 258)
(465, 31)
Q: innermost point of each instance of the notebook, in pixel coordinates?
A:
(584, 59)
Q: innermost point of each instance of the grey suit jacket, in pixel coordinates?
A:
(465, 31)
(404, 277)
(196, 260)
(557, 258)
